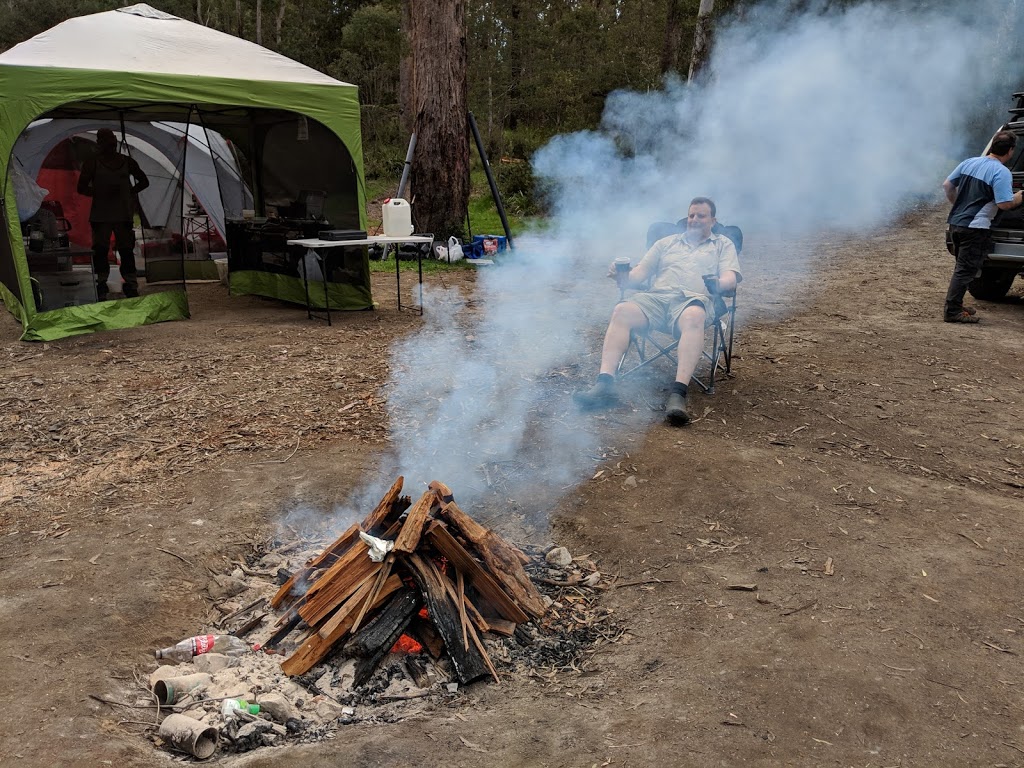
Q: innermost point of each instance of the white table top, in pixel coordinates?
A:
(314, 242)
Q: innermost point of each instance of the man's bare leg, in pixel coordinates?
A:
(691, 344)
(626, 317)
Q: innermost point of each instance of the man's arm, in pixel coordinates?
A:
(85, 178)
(728, 280)
(950, 189)
(1013, 202)
(141, 180)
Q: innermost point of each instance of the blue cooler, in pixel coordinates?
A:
(498, 240)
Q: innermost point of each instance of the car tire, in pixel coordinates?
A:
(993, 284)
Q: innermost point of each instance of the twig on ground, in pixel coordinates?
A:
(174, 554)
(282, 461)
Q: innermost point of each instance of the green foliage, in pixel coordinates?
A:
(536, 68)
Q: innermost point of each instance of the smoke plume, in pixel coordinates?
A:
(824, 119)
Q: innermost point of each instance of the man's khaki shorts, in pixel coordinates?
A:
(663, 309)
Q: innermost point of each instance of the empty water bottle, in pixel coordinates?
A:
(194, 646)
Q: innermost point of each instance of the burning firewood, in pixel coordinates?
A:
(470, 580)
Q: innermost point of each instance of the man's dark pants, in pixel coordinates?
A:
(124, 239)
(971, 246)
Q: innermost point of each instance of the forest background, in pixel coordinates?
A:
(536, 68)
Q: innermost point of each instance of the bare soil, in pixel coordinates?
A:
(862, 468)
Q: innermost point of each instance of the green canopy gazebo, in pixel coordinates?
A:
(296, 131)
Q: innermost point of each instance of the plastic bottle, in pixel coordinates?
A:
(231, 705)
(397, 217)
(193, 646)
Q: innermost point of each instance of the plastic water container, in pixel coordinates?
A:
(220, 258)
(397, 217)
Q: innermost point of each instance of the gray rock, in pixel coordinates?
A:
(558, 556)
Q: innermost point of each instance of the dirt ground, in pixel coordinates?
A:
(862, 468)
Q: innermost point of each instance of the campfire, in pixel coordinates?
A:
(417, 600)
(423, 575)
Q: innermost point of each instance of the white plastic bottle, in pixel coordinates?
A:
(229, 645)
(397, 217)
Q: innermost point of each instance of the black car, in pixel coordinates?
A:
(1007, 258)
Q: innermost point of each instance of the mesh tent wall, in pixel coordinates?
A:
(140, 64)
(157, 146)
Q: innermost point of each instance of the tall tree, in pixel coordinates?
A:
(440, 168)
(701, 38)
(670, 45)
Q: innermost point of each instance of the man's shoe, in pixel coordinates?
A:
(971, 310)
(675, 410)
(964, 316)
(130, 291)
(598, 397)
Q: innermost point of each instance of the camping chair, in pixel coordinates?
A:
(647, 346)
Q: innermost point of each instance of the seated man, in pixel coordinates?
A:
(676, 302)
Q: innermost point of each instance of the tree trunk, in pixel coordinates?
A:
(407, 75)
(238, 18)
(279, 22)
(701, 39)
(259, 22)
(670, 46)
(437, 34)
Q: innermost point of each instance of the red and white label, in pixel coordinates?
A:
(202, 644)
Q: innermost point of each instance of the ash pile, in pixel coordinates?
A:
(394, 617)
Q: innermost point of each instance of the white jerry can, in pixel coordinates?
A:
(397, 217)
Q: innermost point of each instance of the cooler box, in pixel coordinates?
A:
(491, 244)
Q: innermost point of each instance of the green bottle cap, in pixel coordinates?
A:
(252, 709)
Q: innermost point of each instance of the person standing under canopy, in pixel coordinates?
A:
(113, 181)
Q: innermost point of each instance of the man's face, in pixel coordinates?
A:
(699, 221)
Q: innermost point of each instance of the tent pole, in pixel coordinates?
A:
(490, 179)
(256, 164)
(408, 166)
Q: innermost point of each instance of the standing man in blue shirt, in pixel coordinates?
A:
(976, 188)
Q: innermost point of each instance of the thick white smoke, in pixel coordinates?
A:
(823, 120)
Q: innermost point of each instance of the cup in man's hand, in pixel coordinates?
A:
(621, 270)
(711, 283)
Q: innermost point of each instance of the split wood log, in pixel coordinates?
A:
(412, 531)
(382, 515)
(377, 638)
(283, 632)
(441, 539)
(337, 582)
(355, 602)
(323, 560)
(417, 670)
(340, 588)
(502, 627)
(378, 582)
(466, 609)
(315, 647)
(468, 664)
(501, 558)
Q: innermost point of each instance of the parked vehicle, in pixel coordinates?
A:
(1007, 258)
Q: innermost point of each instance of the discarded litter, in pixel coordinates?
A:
(229, 645)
